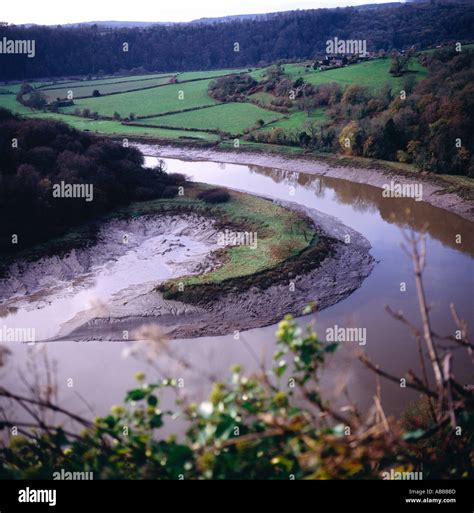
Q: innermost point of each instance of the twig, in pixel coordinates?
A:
(447, 383)
(365, 360)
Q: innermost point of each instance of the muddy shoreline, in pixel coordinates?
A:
(340, 272)
(434, 192)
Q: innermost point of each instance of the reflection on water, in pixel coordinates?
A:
(404, 212)
(449, 278)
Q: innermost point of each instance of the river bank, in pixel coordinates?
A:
(162, 262)
(260, 301)
(436, 190)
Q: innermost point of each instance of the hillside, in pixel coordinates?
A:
(90, 50)
(365, 108)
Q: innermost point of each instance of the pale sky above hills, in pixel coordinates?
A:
(49, 12)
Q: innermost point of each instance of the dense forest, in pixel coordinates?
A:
(63, 51)
(38, 155)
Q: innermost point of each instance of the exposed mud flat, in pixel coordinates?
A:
(330, 281)
(433, 193)
(128, 252)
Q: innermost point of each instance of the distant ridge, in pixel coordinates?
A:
(235, 17)
(219, 19)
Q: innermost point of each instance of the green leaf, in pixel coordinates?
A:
(330, 348)
(156, 421)
(152, 400)
(280, 370)
(135, 395)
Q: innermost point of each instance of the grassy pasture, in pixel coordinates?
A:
(109, 127)
(258, 74)
(150, 101)
(297, 120)
(228, 117)
(106, 80)
(81, 91)
(262, 97)
(15, 88)
(373, 74)
(8, 101)
(198, 75)
(233, 118)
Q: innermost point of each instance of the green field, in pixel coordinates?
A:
(258, 74)
(105, 80)
(14, 88)
(198, 75)
(85, 88)
(233, 118)
(374, 74)
(150, 101)
(262, 97)
(83, 91)
(297, 120)
(161, 107)
(8, 101)
(116, 128)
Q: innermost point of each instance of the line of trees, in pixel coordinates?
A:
(64, 51)
(37, 154)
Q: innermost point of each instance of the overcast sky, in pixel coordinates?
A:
(51, 12)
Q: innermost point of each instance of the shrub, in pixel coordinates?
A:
(214, 196)
(177, 178)
(231, 88)
(170, 191)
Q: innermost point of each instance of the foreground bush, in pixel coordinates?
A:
(273, 424)
(269, 426)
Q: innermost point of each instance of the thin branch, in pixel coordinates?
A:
(53, 407)
(410, 383)
(447, 381)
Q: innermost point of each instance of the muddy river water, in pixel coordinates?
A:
(94, 375)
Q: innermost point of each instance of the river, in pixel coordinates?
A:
(94, 375)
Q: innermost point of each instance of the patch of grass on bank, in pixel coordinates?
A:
(280, 233)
